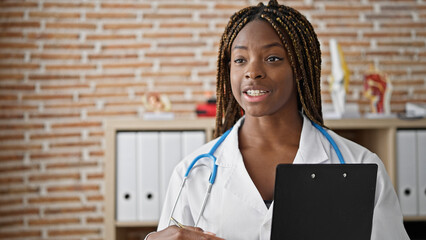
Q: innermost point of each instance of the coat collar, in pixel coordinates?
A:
(313, 148)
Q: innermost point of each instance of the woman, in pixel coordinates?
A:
(268, 91)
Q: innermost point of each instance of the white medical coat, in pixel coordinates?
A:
(236, 210)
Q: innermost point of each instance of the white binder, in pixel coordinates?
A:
(191, 140)
(421, 157)
(170, 156)
(407, 171)
(147, 152)
(126, 177)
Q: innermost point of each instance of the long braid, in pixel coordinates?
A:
(303, 48)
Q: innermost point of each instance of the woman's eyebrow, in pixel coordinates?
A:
(270, 45)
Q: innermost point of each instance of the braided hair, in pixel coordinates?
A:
(303, 48)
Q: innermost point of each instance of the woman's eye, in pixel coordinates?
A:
(239, 60)
(273, 59)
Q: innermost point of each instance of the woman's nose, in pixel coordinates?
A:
(254, 71)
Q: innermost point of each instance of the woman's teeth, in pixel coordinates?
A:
(255, 93)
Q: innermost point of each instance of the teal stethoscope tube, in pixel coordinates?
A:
(212, 178)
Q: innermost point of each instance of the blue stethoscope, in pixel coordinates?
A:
(212, 178)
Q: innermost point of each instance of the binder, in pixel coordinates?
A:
(170, 155)
(421, 157)
(126, 177)
(147, 153)
(407, 171)
(191, 140)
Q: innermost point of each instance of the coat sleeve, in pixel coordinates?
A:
(182, 212)
(387, 218)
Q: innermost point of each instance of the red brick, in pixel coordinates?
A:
(96, 134)
(38, 200)
(73, 232)
(5, 34)
(11, 158)
(9, 15)
(75, 144)
(25, 190)
(347, 7)
(19, 66)
(52, 221)
(55, 36)
(81, 124)
(229, 6)
(110, 26)
(20, 87)
(69, 46)
(19, 212)
(53, 77)
(21, 126)
(55, 56)
(95, 220)
(110, 15)
(11, 223)
(389, 16)
(403, 25)
(111, 37)
(65, 86)
(117, 56)
(17, 116)
(109, 76)
(73, 188)
(10, 169)
(47, 97)
(102, 95)
(49, 177)
(37, 136)
(70, 210)
(23, 24)
(95, 198)
(18, 4)
(121, 85)
(126, 46)
(10, 180)
(91, 176)
(18, 56)
(69, 165)
(59, 155)
(70, 67)
(19, 234)
(68, 5)
(56, 15)
(388, 34)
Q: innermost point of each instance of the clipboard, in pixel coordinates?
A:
(324, 201)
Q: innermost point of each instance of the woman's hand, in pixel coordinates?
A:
(187, 233)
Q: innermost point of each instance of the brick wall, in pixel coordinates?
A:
(68, 66)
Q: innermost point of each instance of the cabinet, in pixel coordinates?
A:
(378, 135)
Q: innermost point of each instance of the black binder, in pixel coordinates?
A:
(323, 201)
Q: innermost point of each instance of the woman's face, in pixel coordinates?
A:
(261, 75)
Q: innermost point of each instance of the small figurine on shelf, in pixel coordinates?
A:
(157, 106)
(378, 89)
(339, 78)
